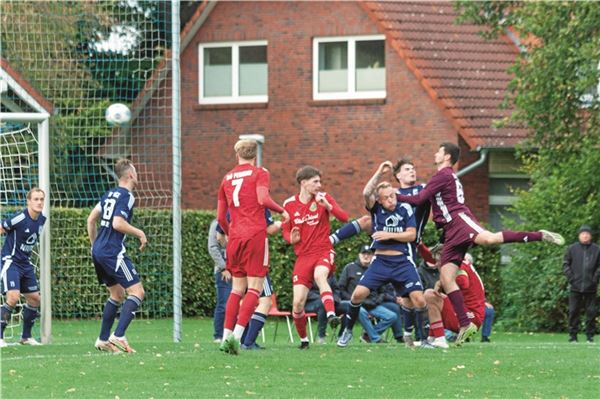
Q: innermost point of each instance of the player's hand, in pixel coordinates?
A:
(437, 289)
(2, 230)
(381, 236)
(322, 200)
(285, 216)
(143, 240)
(295, 235)
(385, 167)
(225, 275)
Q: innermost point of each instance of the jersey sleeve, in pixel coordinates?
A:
(123, 206)
(337, 210)
(435, 185)
(10, 223)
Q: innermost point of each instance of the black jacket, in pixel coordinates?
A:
(315, 295)
(429, 275)
(581, 265)
(349, 279)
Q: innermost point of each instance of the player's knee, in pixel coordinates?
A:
(430, 296)
(12, 297)
(418, 299)
(34, 300)
(365, 223)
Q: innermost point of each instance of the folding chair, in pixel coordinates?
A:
(310, 331)
(275, 312)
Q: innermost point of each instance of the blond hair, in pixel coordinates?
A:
(382, 185)
(35, 190)
(246, 149)
(122, 167)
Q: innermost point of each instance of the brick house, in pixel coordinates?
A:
(341, 86)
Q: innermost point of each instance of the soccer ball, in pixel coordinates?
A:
(117, 114)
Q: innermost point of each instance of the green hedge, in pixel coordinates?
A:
(76, 292)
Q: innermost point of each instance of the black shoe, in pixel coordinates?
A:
(573, 338)
(590, 340)
(333, 321)
(400, 340)
(365, 338)
(485, 339)
(303, 345)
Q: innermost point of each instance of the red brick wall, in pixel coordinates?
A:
(346, 141)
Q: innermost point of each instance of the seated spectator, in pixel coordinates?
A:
(392, 302)
(314, 304)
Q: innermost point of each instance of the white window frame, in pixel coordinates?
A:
(351, 93)
(235, 98)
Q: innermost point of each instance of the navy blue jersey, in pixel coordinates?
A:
(22, 233)
(117, 202)
(396, 221)
(421, 211)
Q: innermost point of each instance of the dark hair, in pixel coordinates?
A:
(307, 172)
(401, 162)
(452, 150)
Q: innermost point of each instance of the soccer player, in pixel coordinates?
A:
(23, 230)
(460, 229)
(394, 229)
(308, 231)
(244, 192)
(113, 266)
(441, 313)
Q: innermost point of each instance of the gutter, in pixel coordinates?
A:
(483, 153)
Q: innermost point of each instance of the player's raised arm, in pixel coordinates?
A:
(332, 206)
(369, 192)
(92, 220)
(433, 186)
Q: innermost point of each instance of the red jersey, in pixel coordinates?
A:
(313, 221)
(239, 190)
(472, 289)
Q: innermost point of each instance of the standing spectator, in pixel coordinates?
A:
(216, 250)
(486, 327)
(581, 266)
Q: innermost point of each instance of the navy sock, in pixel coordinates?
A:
(127, 314)
(346, 231)
(256, 323)
(420, 314)
(352, 316)
(29, 315)
(408, 315)
(5, 312)
(108, 318)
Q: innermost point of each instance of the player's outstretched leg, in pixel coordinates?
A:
(552, 237)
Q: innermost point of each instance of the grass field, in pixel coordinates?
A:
(512, 366)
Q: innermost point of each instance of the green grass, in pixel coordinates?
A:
(512, 366)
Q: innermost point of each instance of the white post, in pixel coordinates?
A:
(260, 140)
(176, 148)
(44, 181)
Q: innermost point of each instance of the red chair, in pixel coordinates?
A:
(275, 312)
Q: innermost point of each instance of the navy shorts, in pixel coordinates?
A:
(399, 270)
(113, 270)
(267, 287)
(18, 277)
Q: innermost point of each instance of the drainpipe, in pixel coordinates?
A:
(483, 153)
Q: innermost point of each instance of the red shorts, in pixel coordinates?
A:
(304, 268)
(459, 236)
(451, 321)
(248, 257)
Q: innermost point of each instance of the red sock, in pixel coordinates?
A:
(521, 236)
(248, 306)
(436, 329)
(300, 322)
(327, 299)
(231, 309)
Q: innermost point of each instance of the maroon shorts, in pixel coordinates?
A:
(304, 268)
(450, 319)
(248, 257)
(459, 236)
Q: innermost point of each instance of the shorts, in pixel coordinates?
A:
(450, 319)
(304, 268)
(396, 269)
(113, 270)
(18, 277)
(459, 236)
(248, 257)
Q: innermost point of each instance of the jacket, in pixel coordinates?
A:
(349, 279)
(581, 265)
(215, 250)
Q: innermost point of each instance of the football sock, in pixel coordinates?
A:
(29, 315)
(246, 310)
(327, 299)
(521, 236)
(108, 318)
(5, 312)
(458, 302)
(130, 306)
(352, 316)
(256, 324)
(420, 314)
(408, 316)
(346, 231)
(300, 323)
(436, 329)
(231, 309)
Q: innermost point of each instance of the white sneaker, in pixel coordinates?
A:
(3, 343)
(552, 237)
(29, 341)
(440, 342)
(121, 343)
(321, 341)
(106, 346)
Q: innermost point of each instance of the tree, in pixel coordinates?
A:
(555, 94)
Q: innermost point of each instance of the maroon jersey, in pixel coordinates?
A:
(472, 289)
(313, 221)
(446, 195)
(239, 190)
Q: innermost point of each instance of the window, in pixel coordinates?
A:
(233, 72)
(349, 67)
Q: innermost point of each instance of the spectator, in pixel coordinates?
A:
(581, 266)
(314, 304)
(486, 327)
(216, 249)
